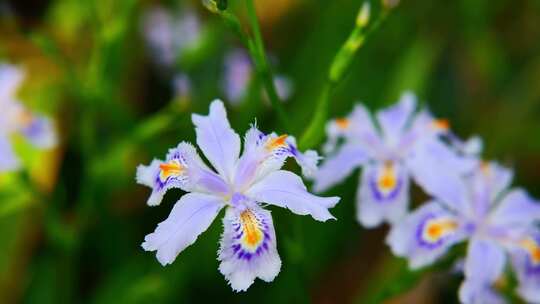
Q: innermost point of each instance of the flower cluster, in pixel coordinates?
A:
(471, 199)
(15, 119)
(239, 183)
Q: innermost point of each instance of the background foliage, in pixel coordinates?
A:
(73, 222)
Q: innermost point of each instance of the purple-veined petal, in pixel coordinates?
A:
(484, 264)
(286, 189)
(8, 160)
(337, 167)
(526, 263)
(182, 169)
(394, 119)
(40, 132)
(218, 141)
(264, 154)
(425, 235)
(190, 216)
(248, 247)
(383, 193)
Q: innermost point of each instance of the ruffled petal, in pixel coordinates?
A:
(383, 194)
(8, 160)
(286, 189)
(337, 167)
(264, 154)
(218, 141)
(425, 235)
(190, 216)
(248, 247)
(483, 266)
(394, 119)
(182, 169)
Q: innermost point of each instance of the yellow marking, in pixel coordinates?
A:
(436, 229)
(170, 168)
(25, 118)
(533, 248)
(441, 124)
(342, 123)
(277, 142)
(388, 179)
(252, 233)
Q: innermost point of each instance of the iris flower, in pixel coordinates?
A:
(498, 222)
(398, 146)
(16, 119)
(238, 183)
(169, 36)
(237, 74)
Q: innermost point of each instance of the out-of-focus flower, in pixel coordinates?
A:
(240, 183)
(16, 119)
(406, 145)
(496, 220)
(284, 87)
(168, 36)
(238, 73)
(182, 88)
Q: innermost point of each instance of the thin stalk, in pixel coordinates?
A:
(262, 65)
(340, 65)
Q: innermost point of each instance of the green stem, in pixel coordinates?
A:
(256, 51)
(340, 65)
(263, 68)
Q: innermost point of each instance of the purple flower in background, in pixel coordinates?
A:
(498, 222)
(16, 119)
(182, 87)
(237, 75)
(168, 36)
(406, 145)
(240, 183)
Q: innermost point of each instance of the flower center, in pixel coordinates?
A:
(436, 229)
(342, 123)
(253, 234)
(387, 179)
(172, 168)
(441, 124)
(533, 249)
(277, 142)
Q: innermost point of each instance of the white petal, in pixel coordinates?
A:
(394, 119)
(376, 204)
(248, 247)
(219, 143)
(483, 266)
(338, 166)
(190, 216)
(186, 171)
(286, 189)
(410, 237)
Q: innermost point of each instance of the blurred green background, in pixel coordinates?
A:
(73, 221)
